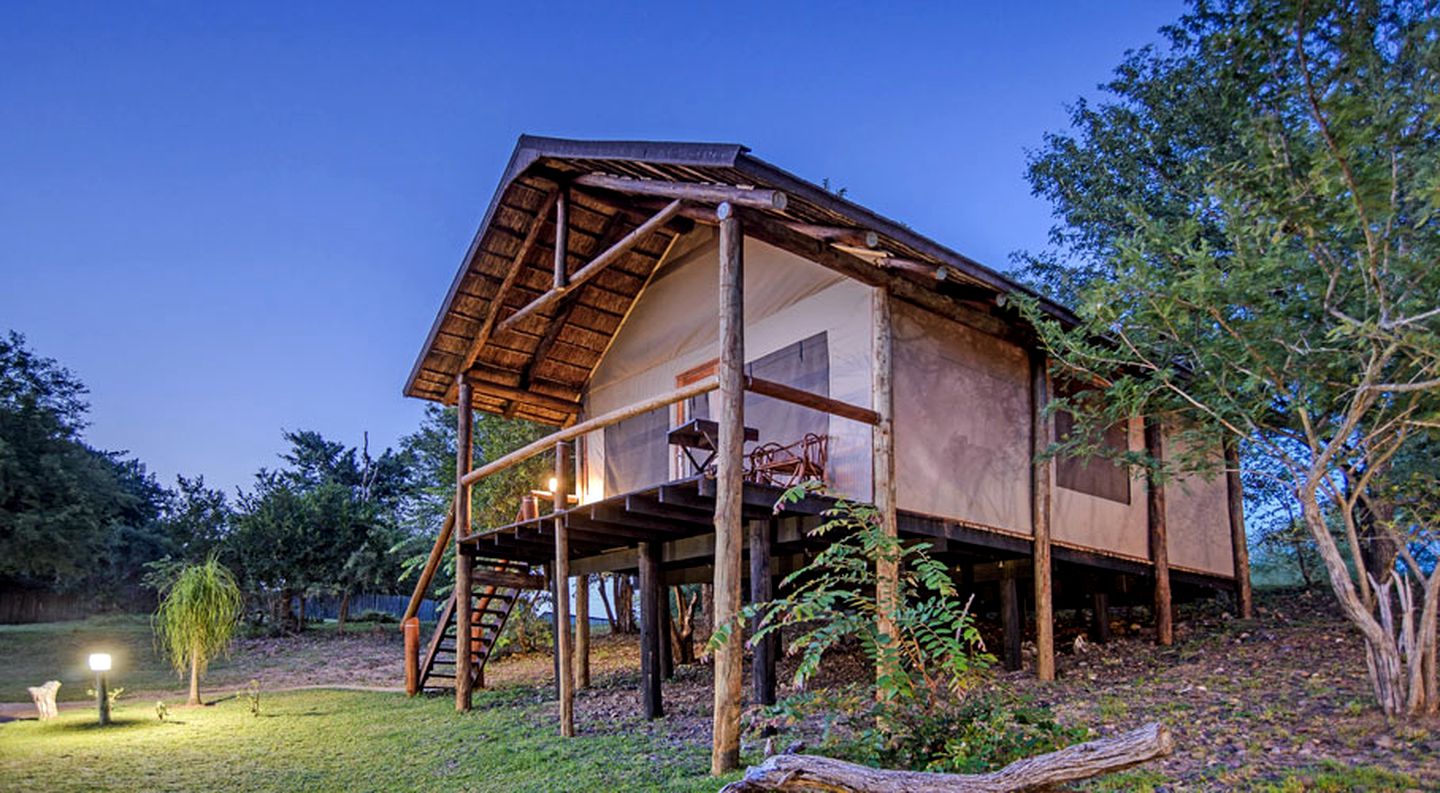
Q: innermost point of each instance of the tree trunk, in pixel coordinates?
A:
(609, 612)
(799, 772)
(344, 610)
(682, 628)
(194, 677)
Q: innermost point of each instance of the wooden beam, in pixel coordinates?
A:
(464, 559)
(564, 644)
(590, 425)
(1159, 553)
(486, 388)
(650, 629)
(838, 235)
(437, 553)
(1100, 615)
(699, 193)
(1239, 545)
(762, 665)
(729, 494)
(594, 268)
(517, 264)
(507, 579)
(781, 236)
(1041, 478)
(797, 396)
(882, 455)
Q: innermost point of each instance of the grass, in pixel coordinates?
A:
(32, 654)
(343, 740)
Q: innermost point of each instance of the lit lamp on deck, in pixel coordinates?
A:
(100, 664)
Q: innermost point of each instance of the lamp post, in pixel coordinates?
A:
(100, 664)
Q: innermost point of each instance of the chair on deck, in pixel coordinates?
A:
(787, 465)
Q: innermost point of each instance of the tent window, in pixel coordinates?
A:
(1093, 474)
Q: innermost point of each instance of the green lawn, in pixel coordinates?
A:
(342, 740)
(32, 654)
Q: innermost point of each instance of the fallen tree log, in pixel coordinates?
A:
(799, 772)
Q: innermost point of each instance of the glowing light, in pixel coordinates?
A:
(554, 484)
(99, 662)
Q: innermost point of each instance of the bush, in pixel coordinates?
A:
(928, 710)
(371, 615)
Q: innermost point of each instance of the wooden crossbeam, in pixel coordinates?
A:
(492, 312)
(798, 396)
(595, 267)
(487, 388)
(700, 193)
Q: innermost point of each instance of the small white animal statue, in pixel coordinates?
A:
(44, 697)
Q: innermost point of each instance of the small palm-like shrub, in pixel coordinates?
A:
(197, 619)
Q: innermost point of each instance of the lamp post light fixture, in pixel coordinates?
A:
(100, 664)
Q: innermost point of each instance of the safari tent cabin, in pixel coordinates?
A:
(703, 329)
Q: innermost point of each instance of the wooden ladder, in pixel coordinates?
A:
(492, 606)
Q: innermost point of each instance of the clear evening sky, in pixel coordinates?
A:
(233, 219)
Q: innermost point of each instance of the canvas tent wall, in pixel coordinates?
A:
(789, 302)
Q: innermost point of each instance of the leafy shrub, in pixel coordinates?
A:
(372, 615)
(926, 709)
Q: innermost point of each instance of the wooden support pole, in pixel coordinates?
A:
(582, 631)
(464, 560)
(410, 626)
(1235, 491)
(1011, 624)
(729, 495)
(651, 703)
(1159, 553)
(563, 644)
(882, 447)
(1040, 501)
(1100, 615)
(562, 239)
(762, 664)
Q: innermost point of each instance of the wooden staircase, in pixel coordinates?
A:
(492, 605)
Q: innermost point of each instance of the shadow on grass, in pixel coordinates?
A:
(117, 725)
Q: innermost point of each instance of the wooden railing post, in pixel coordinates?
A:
(725, 737)
(464, 615)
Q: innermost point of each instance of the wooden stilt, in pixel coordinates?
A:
(411, 628)
(650, 690)
(564, 643)
(582, 631)
(1010, 623)
(762, 665)
(1100, 616)
(464, 561)
(1159, 553)
(882, 443)
(729, 469)
(1235, 491)
(1040, 436)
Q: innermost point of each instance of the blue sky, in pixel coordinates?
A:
(229, 220)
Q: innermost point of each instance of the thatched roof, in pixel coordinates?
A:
(538, 367)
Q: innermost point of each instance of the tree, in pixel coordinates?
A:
(71, 517)
(1248, 232)
(197, 619)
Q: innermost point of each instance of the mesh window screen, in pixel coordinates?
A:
(804, 365)
(1094, 475)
